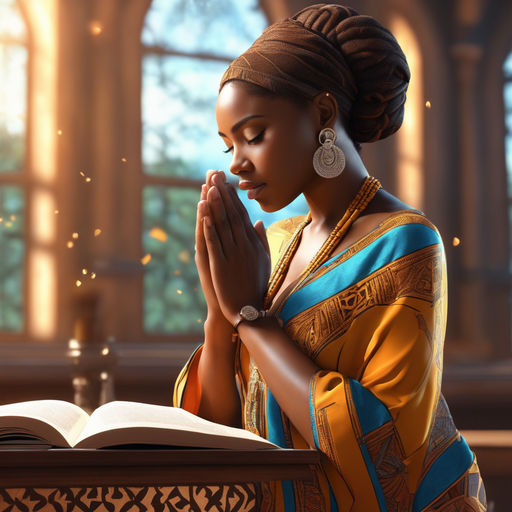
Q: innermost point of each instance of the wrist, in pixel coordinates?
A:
(248, 314)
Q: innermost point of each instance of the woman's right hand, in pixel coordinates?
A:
(215, 315)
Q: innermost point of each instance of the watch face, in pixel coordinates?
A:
(249, 313)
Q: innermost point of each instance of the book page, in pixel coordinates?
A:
(55, 421)
(135, 422)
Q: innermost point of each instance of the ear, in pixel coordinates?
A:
(327, 109)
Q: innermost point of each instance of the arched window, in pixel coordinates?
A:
(187, 46)
(507, 100)
(410, 184)
(13, 127)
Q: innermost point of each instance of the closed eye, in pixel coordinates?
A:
(256, 139)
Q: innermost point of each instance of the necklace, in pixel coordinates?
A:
(359, 203)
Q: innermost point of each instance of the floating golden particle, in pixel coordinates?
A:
(88, 180)
(184, 256)
(82, 173)
(93, 275)
(84, 271)
(75, 235)
(1, 219)
(13, 217)
(177, 272)
(179, 292)
(8, 224)
(95, 28)
(146, 259)
(97, 232)
(105, 351)
(428, 104)
(199, 321)
(56, 212)
(455, 241)
(78, 283)
(70, 244)
(124, 160)
(59, 132)
(158, 234)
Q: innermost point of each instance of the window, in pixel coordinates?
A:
(187, 46)
(13, 127)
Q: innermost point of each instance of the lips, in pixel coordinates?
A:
(253, 188)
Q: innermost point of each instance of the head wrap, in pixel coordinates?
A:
(328, 47)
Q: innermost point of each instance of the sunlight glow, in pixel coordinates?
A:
(42, 295)
(410, 135)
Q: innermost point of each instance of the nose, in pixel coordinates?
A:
(239, 162)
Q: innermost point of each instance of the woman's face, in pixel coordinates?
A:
(272, 141)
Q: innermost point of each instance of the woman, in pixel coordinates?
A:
(342, 349)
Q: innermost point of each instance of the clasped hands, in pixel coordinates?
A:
(232, 256)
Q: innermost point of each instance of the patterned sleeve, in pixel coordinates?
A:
(374, 319)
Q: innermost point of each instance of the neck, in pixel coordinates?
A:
(328, 199)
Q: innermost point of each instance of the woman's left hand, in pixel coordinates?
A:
(238, 251)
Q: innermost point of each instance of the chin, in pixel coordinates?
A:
(270, 208)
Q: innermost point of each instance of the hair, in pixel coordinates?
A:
(331, 48)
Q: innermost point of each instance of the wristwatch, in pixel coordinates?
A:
(249, 314)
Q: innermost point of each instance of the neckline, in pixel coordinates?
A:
(283, 294)
(364, 196)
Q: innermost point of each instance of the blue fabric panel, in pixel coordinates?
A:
(312, 415)
(275, 431)
(334, 504)
(392, 245)
(375, 479)
(448, 468)
(372, 413)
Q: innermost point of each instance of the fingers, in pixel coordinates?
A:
(243, 215)
(213, 242)
(219, 218)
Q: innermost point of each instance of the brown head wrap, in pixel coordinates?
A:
(327, 47)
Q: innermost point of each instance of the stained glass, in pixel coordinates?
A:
(173, 301)
(12, 249)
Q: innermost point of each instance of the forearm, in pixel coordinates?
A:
(220, 401)
(285, 368)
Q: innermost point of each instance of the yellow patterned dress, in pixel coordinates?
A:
(373, 319)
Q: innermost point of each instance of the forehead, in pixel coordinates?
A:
(235, 102)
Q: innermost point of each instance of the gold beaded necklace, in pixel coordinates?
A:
(359, 203)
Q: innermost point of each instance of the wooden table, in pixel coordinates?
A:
(167, 479)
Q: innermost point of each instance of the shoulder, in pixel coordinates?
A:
(397, 235)
(285, 227)
(279, 234)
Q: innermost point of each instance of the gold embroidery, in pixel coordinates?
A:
(411, 276)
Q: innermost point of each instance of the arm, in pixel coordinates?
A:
(239, 267)
(218, 397)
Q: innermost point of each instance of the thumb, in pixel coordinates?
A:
(262, 234)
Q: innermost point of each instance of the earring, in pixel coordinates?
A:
(328, 159)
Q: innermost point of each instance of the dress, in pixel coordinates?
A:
(373, 319)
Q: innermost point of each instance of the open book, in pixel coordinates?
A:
(63, 424)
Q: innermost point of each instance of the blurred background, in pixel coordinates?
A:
(107, 128)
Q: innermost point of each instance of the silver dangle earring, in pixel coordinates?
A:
(328, 159)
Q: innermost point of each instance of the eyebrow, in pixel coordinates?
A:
(240, 123)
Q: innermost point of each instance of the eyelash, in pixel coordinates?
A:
(252, 141)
